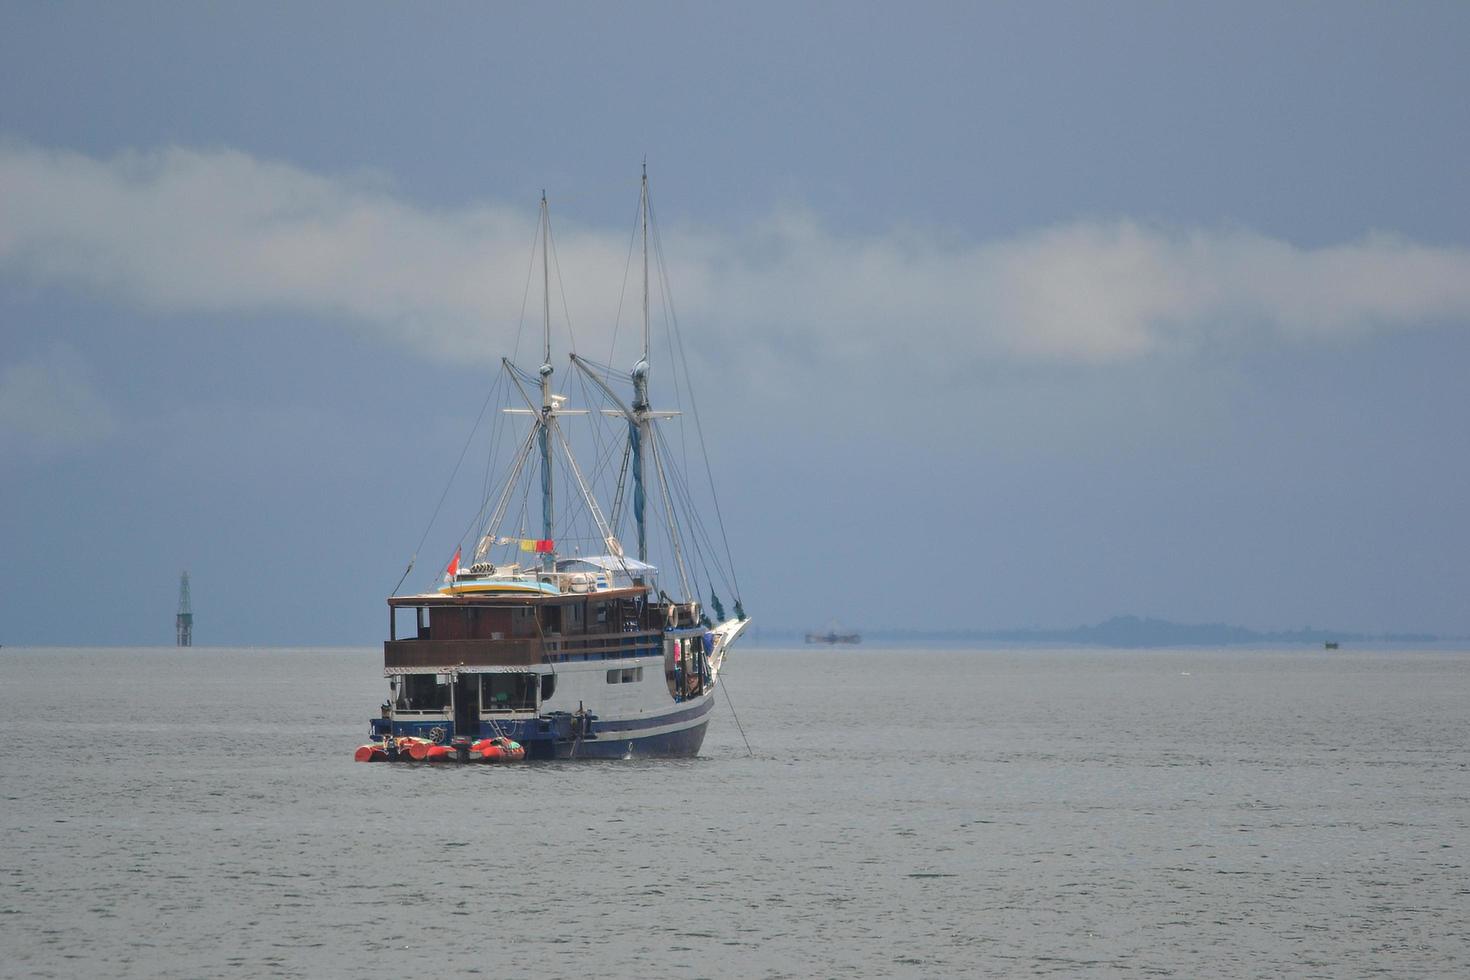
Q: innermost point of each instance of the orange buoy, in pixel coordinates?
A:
(497, 750)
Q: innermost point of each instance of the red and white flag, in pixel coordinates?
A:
(452, 569)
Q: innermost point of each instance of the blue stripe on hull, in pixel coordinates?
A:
(616, 727)
(613, 739)
(684, 742)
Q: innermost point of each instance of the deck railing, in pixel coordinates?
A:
(468, 653)
(403, 654)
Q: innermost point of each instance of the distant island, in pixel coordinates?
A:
(1139, 632)
(1134, 631)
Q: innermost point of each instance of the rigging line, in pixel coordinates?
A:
(702, 557)
(525, 504)
(612, 468)
(704, 544)
(673, 528)
(526, 293)
(709, 558)
(671, 335)
(602, 444)
(607, 445)
(536, 618)
(681, 491)
(586, 489)
(492, 524)
(671, 327)
(725, 687)
(525, 376)
(622, 293)
(697, 526)
(616, 513)
(604, 423)
(497, 435)
(571, 517)
(606, 371)
(411, 560)
(561, 285)
(447, 484)
(698, 425)
(486, 484)
(587, 523)
(609, 431)
(671, 318)
(519, 461)
(597, 464)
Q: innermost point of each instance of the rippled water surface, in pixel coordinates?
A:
(1176, 813)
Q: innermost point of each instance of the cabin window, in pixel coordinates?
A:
(508, 692)
(599, 613)
(548, 686)
(625, 675)
(410, 623)
(423, 692)
(576, 618)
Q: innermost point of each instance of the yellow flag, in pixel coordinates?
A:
(527, 544)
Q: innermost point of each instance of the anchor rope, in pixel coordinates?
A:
(748, 750)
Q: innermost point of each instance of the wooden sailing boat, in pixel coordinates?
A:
(569, 653)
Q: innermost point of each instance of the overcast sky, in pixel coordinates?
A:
(1002, 314)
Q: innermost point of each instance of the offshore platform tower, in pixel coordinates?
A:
(184, 621)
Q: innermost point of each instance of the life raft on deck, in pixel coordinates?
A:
(408, 748)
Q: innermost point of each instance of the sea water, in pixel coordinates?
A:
(197, 813)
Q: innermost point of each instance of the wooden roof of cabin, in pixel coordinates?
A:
(429, 599)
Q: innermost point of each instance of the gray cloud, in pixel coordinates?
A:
(198, 231)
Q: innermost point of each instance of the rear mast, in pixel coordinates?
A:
(640, 417)
(640, 429)
(548, 403)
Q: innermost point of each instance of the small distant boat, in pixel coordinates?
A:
(1330, 645)
(832, 636)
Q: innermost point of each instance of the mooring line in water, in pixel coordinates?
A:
(726, 689)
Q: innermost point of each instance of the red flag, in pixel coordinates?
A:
(453, 568)
(545, 546)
